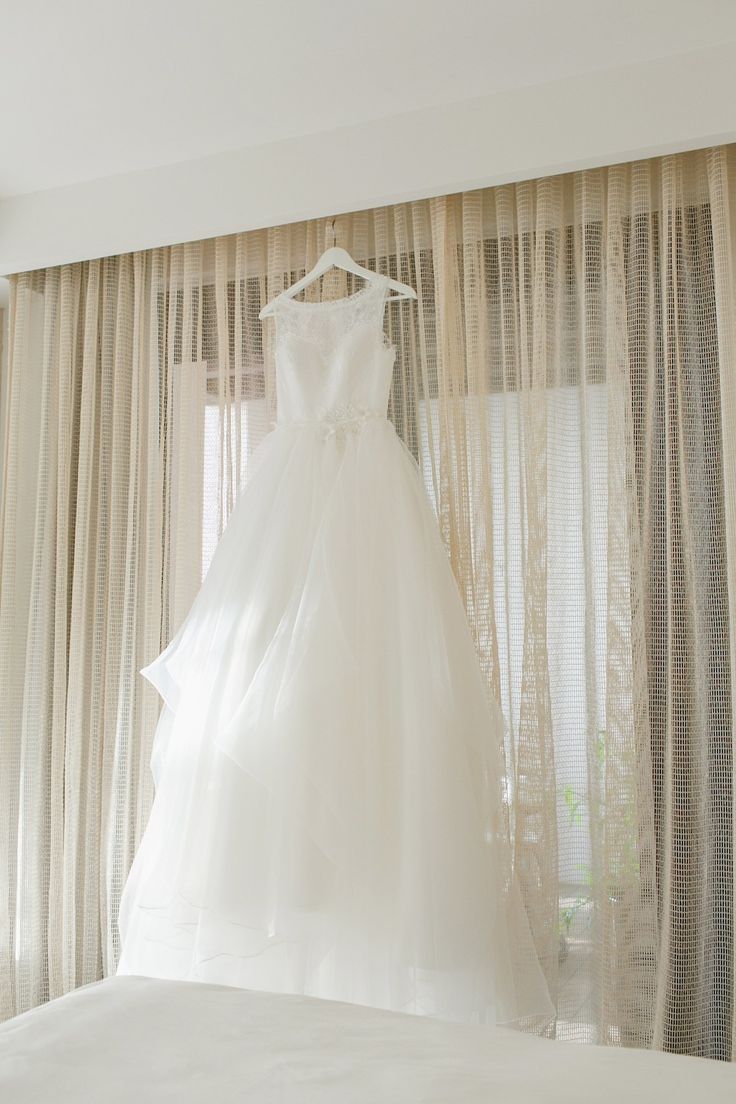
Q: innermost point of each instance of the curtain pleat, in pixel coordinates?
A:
(565, 380)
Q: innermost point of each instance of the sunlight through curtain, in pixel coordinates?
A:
(566, 383)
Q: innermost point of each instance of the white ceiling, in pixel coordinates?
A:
(94, 89)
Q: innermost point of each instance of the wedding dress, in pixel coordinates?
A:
(327, 818)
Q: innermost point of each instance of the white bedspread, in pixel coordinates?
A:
(136, 1040)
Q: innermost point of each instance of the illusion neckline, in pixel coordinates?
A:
(378, 281)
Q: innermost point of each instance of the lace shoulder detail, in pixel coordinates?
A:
(324, 323)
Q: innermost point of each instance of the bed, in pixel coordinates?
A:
(135, 1040)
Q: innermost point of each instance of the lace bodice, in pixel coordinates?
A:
(333, 360)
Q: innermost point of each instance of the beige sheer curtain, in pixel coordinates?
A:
(566, 382)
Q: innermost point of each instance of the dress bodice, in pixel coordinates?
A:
(333, 360)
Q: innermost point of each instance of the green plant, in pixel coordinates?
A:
(574, 802)
(568, 914)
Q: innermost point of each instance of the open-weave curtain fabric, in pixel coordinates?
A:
(566, 382)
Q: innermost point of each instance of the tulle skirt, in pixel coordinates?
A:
(328, 812)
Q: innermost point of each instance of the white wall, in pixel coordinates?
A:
(655, 107)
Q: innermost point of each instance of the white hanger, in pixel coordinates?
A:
(340, 258)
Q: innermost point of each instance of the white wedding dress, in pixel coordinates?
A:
(327, 817)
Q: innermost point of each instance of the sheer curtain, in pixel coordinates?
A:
(566, 382)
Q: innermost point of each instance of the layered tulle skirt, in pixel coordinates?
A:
(328, 814)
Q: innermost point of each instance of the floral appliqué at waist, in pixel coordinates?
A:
(337, 421)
